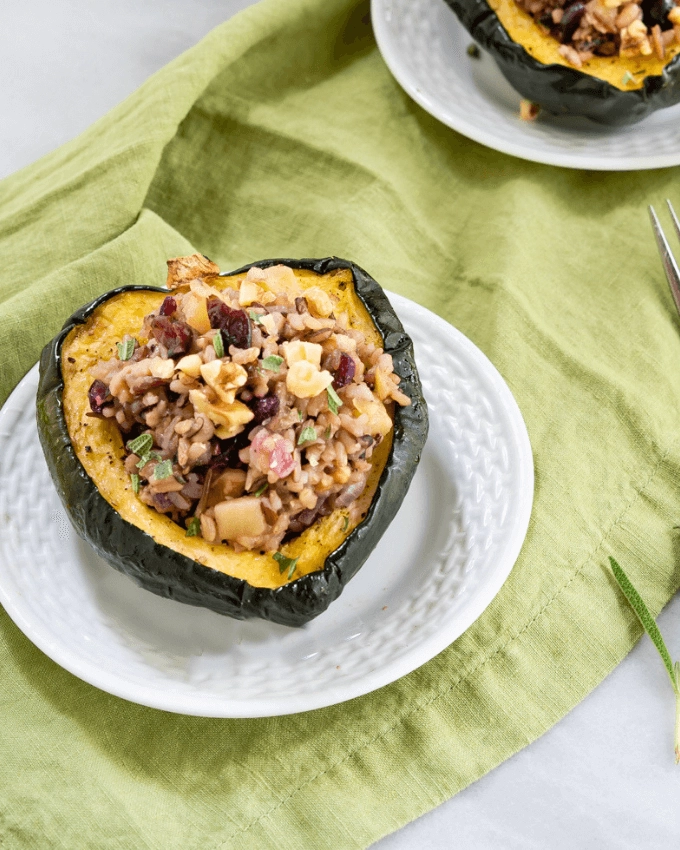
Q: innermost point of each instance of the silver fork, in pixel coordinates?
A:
(667, 258)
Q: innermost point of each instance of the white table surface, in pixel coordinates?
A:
(604, 777)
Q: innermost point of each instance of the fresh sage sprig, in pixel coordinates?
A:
(645, 617)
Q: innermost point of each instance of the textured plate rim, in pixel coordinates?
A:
(207, 705)
(587, 162)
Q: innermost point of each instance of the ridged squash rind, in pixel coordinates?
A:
(168, 573)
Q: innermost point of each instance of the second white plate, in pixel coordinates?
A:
(424, 46)
(440, 563)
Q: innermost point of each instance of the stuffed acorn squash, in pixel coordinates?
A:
(240, 442)
(611, 61)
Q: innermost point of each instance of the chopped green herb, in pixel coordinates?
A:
(255, 317)
(300, 416)
(125, 349)
(627, 78)
(306, 435)
(334, 400)
(327, 433)
(140, 445)
(645, 617)
(146, 457)
(218, 344)
(260, 490)
(345, 525)
(285, 563)
(193, 527)
(272, 363)
(162, 470)
(134, 480)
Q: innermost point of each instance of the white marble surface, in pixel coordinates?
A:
(604, 777)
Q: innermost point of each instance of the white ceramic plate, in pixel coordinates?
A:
(438, 566)
(424, 46)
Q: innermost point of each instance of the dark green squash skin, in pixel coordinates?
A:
(562, 90)
(168, 573)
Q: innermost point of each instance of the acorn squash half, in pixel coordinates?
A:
(608, 89)
(85, 456)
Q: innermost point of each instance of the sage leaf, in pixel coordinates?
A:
(272, 363)
(218, 344)
(645, 617)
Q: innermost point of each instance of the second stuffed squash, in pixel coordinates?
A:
(610, 61)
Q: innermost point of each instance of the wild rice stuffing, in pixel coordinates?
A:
(247, 413)
(607, 27)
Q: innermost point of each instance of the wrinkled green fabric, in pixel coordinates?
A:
(283, 134)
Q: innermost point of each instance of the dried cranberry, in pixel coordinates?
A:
(570, 20)
(168, 307)
(264, 408)
(234, 324)
(302, 520)
(175, 336)
(98, 394)
(140, 353)
(344, 374)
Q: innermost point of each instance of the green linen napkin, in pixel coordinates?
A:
(283, 134)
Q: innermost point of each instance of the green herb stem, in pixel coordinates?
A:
(193, 527)
(677, 716)
(307, 435)
(334, 400)
(645, 617)
(140, 445)
(125, 349)
(162, 470)
(145, 458)
(285, 563)
(218, 344)
(272, 363)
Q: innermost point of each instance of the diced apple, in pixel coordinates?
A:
(281, 279)
(297, 350)
(383, 385)
(196, 312)
(320, 304)
(304, 379)
(249, 292)
(379, 421)
(239, 518)
(163, 369)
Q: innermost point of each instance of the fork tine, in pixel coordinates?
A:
(676, 223)
(667, 258)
